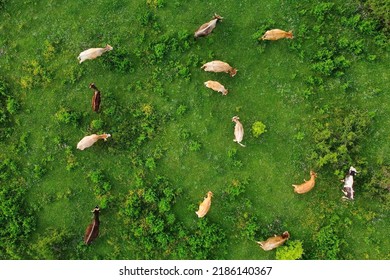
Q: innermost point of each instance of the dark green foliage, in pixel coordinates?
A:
(337, 136)
(328, 243)
(101, 187)
(152, 227)
(8, 107)
(67, 116)
(54, 244)
(119, 60)
(16, 219)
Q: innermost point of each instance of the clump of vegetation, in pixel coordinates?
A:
(101, 187)
(8, 107)
(337, 136)
(16, 218)
(258, 128)
(54, 244)
(67, 116)
(292, 250)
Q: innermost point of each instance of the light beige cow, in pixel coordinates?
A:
(93, 53)
(89, 140)
(238, 131)
(214, 85)
(274, 242)
(219, 66)
(276, 34)
(204, 207)
(206, 28)
(307, 185)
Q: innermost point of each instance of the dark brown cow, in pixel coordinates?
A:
(95, 98)
(205, 29)
(92, 230)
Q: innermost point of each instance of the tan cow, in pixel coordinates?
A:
(205, 29)
(93, 53)
(276, 34)
(89, 140)
(204, 207)
(307, 185)
(274, 242)
(219, 66)
(238, 131)
(214, 85)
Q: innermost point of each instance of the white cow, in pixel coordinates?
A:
(93, 53)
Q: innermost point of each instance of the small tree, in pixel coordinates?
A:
(291, 251)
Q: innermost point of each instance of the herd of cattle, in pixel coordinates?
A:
(273, 242)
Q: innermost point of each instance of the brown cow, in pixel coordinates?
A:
(92, 231)
(95, 98)
(204, 207)
(276, 34)
(219, 66)
(274, 242)
(307, 185)
(206, 28)
(214, 85)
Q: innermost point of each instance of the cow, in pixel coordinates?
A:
(214, 85)
(204, 207)
(274, 242)
(205, 29)
(92, 231)
(238, 131)
(95, 98)
(89, 140)
(219, 66)
(307, 185)
(276, 34)
(348, 184)
(93, 53)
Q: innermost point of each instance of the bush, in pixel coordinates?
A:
(293, 250)
(258, 128)
(67, 116)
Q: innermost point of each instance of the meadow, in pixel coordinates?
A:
(321, 96)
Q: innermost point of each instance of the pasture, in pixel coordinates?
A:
(322, 96)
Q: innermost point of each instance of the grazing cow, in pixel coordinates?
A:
(238, 131)
(206, 28)
(348, 184)
(204, 207)
(307, 185)
(95, 98)
(214, 85)
(89, 140)
(93, 53)
(219, 66)
(92, 231)
(274, 242)
(276, 34)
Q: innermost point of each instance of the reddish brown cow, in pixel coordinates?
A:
(92, 231)
(206, 28)
(95, 98)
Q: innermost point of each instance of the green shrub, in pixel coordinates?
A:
(258, 128)
(293, 250)
(67, 116)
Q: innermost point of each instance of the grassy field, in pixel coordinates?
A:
(164, 121)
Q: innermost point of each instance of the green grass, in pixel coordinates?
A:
(268, 87)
